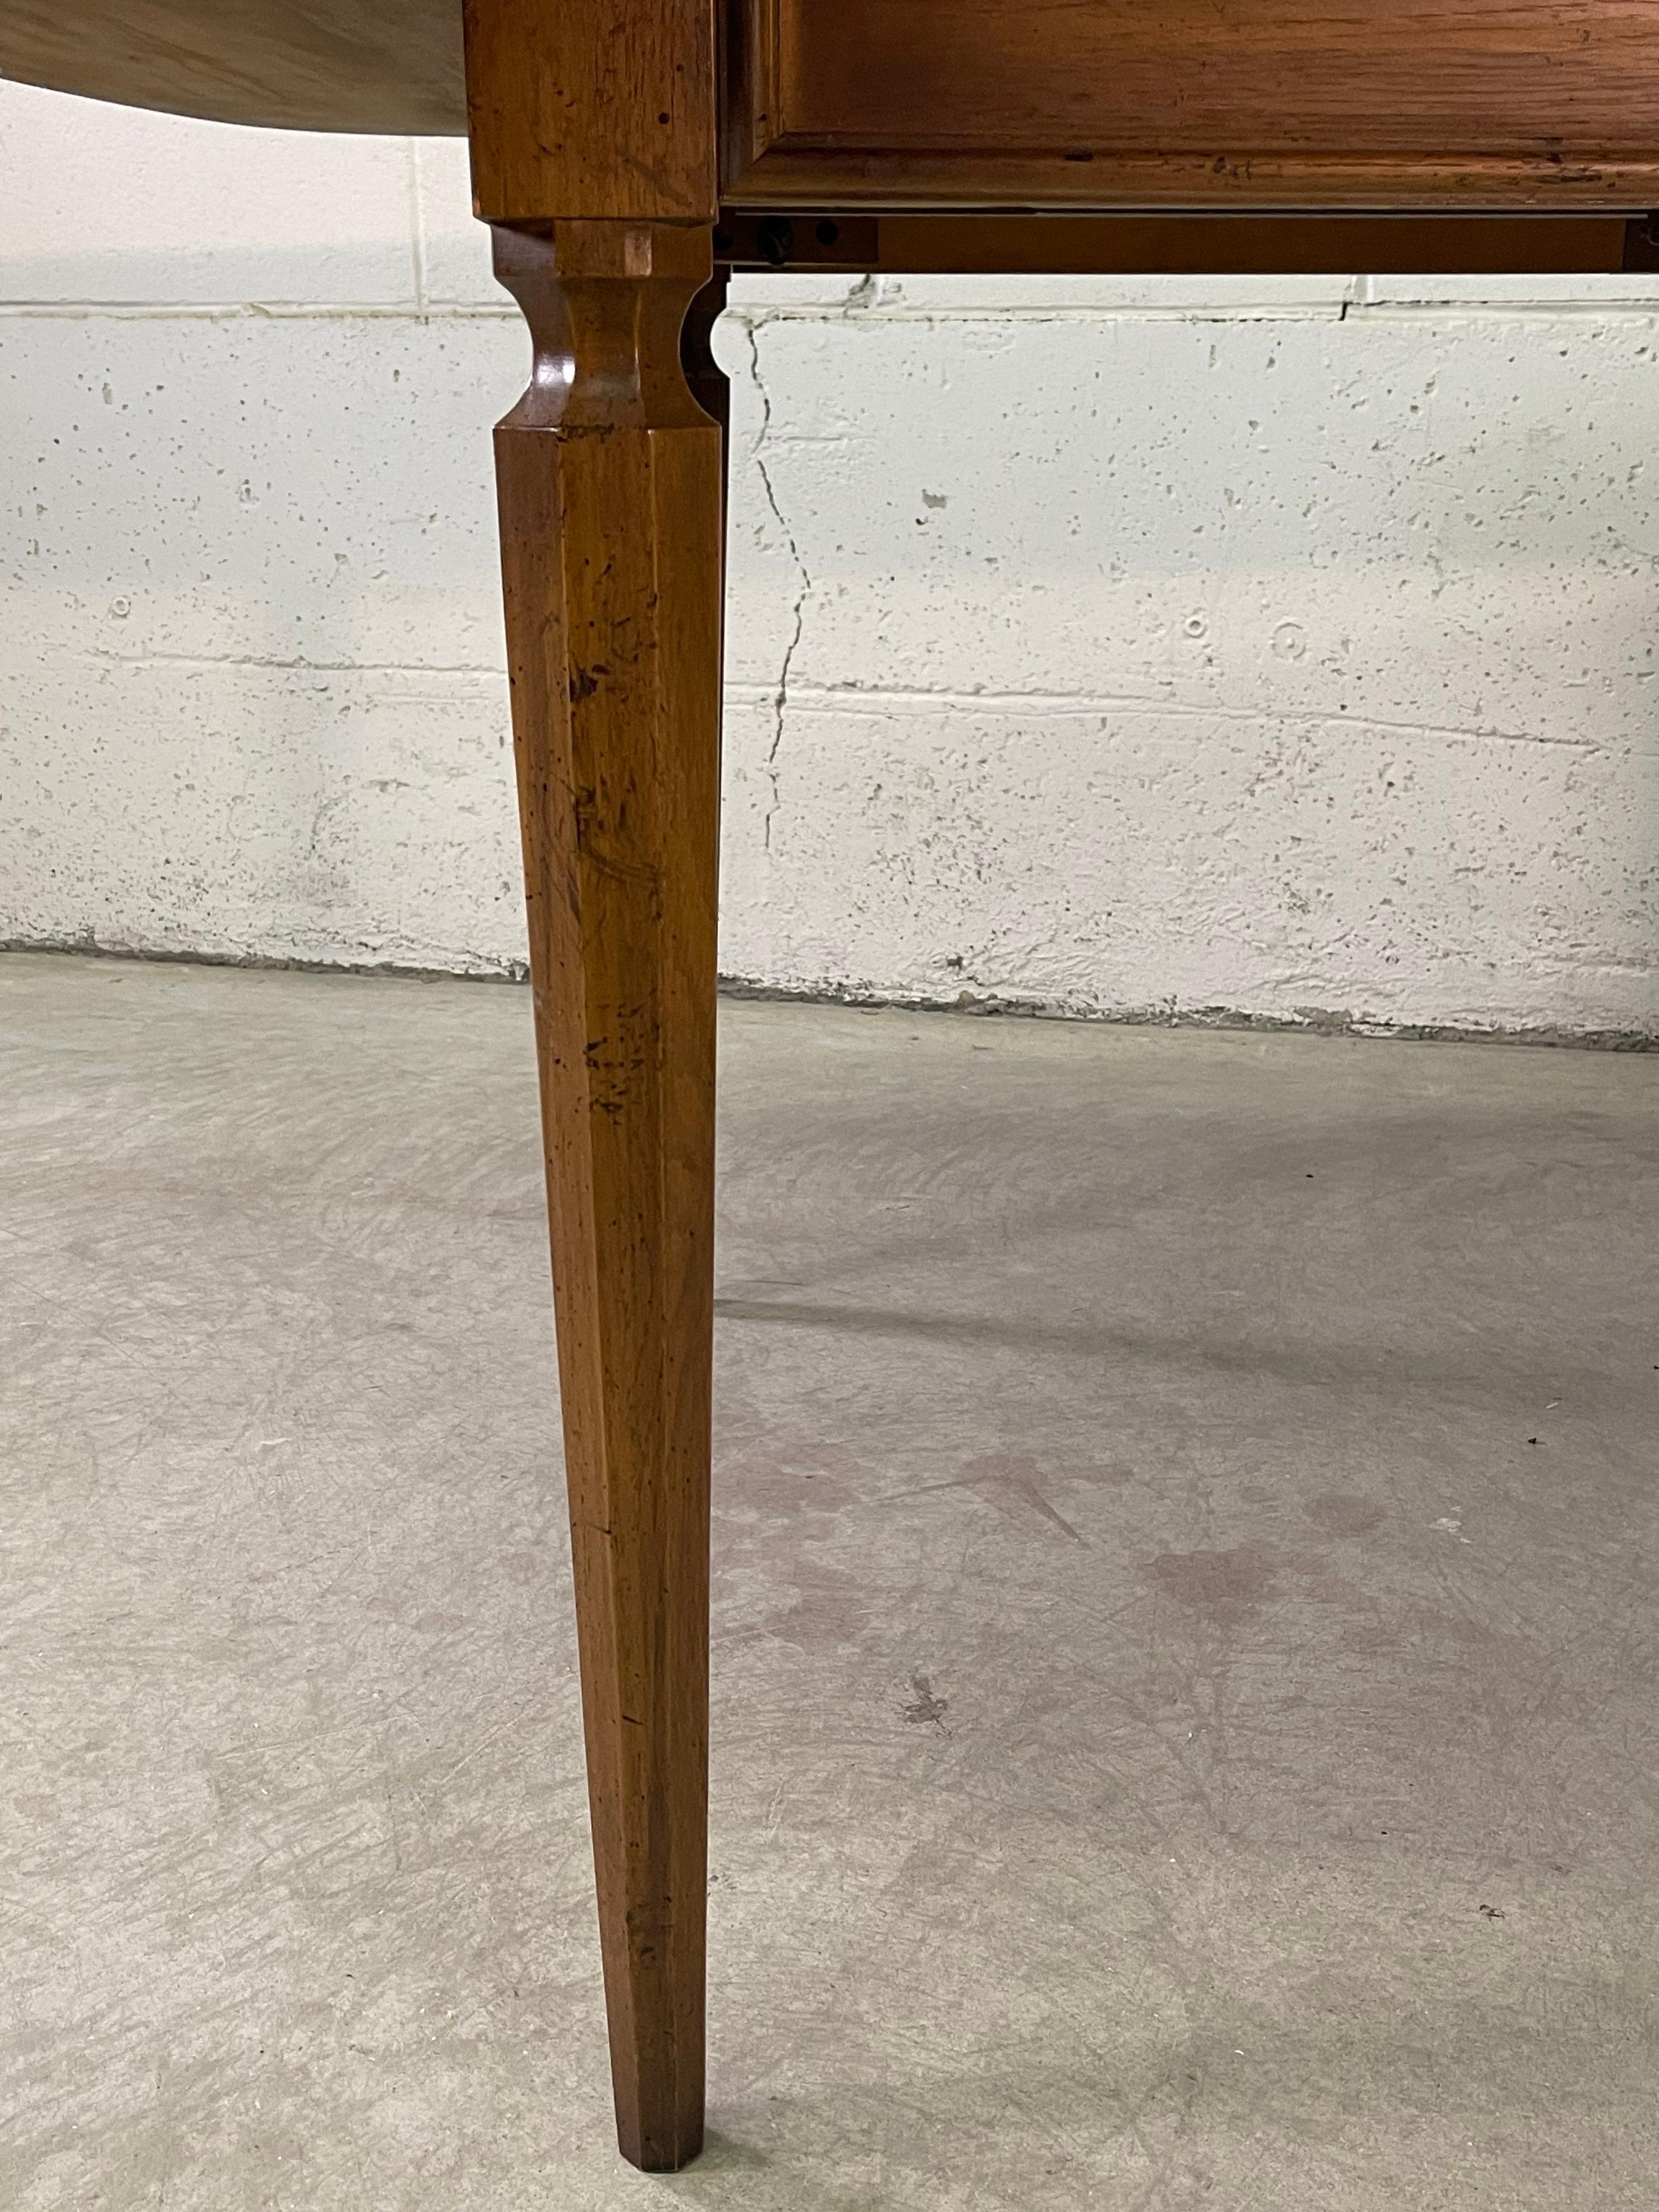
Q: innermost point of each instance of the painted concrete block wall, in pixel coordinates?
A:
(1273, 646)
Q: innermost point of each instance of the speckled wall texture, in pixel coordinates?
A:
(1111, 647)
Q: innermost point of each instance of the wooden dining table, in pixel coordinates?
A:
(629, 154)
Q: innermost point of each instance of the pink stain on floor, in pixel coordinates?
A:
(1225, 1585)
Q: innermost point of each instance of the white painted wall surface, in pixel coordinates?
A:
(1115, 646)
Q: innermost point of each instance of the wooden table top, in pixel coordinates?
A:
(392, 65)
(1349, 106)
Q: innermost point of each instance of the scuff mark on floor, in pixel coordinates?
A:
(923, 1708)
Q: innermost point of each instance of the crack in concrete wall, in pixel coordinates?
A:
(780, 695)
(1257, 645)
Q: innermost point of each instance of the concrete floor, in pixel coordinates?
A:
(1185, 1728)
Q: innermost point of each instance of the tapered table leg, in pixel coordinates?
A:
(609, 481)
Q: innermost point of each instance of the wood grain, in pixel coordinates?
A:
(1193, 102)
(911, 104)
(596, 109)
(392, 65)
(610, 482)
